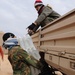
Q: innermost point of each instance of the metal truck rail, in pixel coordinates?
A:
(57, 41)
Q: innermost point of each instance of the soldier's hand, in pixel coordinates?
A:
(30, 32)
(32, 26)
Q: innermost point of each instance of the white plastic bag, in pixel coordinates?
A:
(27, 44)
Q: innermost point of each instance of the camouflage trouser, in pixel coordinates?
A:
(20, 73)
(26, 71)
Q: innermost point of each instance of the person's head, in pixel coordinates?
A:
(7, 35)
(37, 4)
(9, 41)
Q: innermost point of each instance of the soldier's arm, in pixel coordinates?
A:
(28, 59)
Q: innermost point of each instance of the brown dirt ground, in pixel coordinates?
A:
(5, 67)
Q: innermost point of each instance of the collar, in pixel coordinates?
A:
(41, 9)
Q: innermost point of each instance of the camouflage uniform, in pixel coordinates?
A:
(21, 61)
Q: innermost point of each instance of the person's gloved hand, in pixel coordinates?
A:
(30, 29)
(35, 29)
(30, 32)
(32, 26)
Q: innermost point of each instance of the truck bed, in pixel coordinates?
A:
(57, 41)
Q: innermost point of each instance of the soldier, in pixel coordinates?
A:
(45, 15)
(20, 60)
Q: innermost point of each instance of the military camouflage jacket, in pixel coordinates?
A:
(21, 61)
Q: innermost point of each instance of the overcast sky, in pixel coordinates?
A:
(16, 15)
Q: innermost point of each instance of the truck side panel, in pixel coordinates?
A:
(57, 40)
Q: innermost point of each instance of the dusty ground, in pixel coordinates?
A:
(5, 67)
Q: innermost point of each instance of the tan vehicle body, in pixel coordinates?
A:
(57, 40)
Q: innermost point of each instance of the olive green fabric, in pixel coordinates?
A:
(21, 61)
(47, 15)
